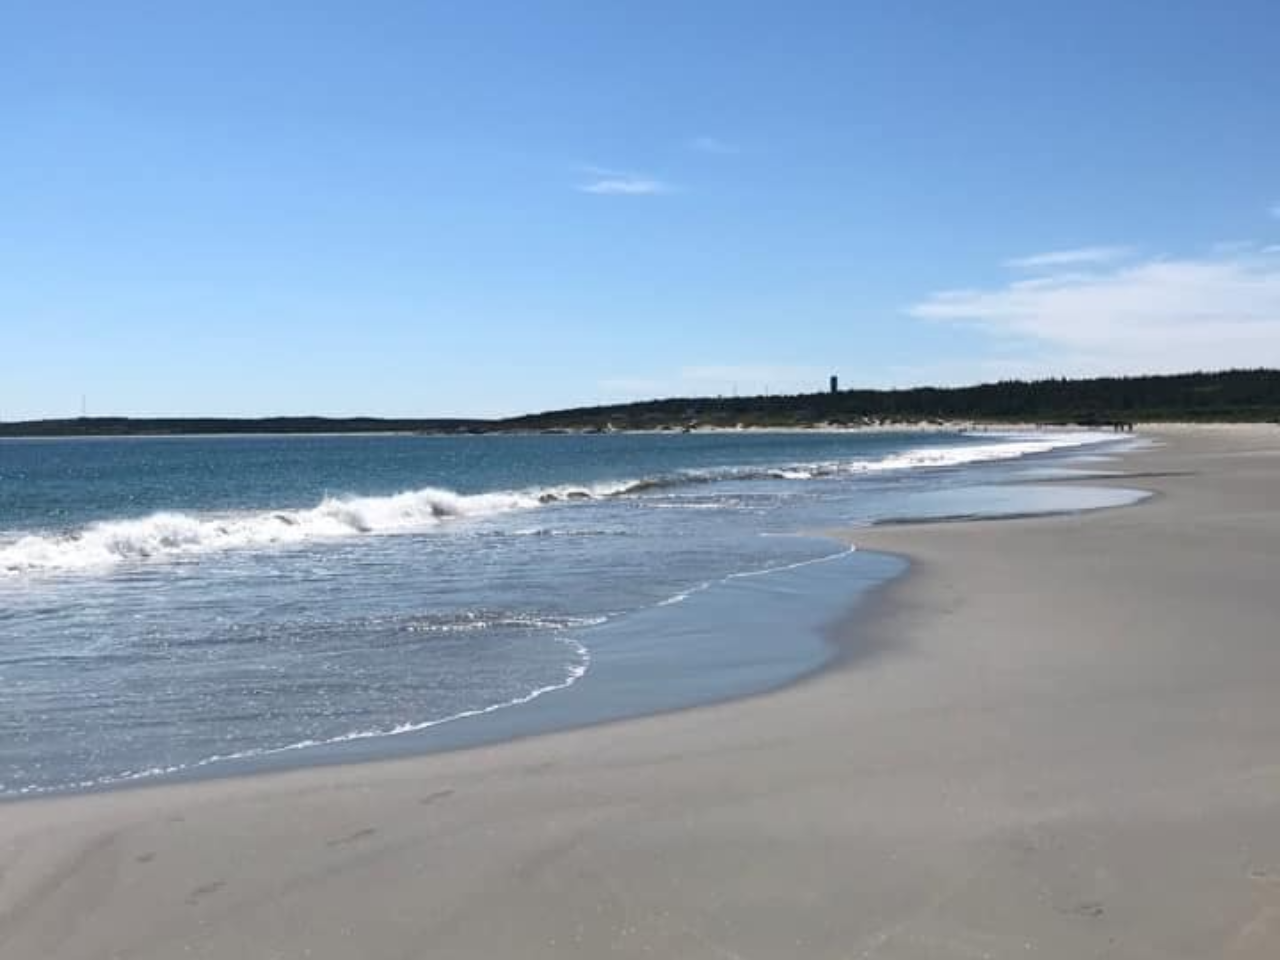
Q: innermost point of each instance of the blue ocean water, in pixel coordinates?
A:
(172, 606)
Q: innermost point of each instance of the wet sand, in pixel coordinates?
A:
(1055, 737)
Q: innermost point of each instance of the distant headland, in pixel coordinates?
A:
(1231, 395)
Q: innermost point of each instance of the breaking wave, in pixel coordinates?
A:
(177, 535)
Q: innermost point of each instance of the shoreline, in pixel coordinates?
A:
(701, 632)
(531, 716)
(1036, 751)
(486, 727)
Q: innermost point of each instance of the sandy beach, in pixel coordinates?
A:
(1054, 737)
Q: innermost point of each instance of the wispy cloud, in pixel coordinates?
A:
(620, 183)
(625, 186)
(1155, 314)
(714, 145)
(1065, 258)
(1275, 210)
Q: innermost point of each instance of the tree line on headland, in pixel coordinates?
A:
(1233, 395)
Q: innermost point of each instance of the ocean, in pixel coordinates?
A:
(176, 607)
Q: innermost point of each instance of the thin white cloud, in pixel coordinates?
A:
(1275, 210)
(625, 187)
(1066, 258)
(713, 145)
(1154, 315)
(603, 181)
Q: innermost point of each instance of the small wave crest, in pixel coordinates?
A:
(1003, 446)
(471, 621)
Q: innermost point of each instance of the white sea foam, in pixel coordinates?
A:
(688, 592)
(1003, 446)
(176, 535)
(684, 595)
(825, 558)
(473, 621)
(1011, 447)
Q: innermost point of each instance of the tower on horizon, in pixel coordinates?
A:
(835, 384)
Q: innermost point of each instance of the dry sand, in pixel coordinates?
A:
(1056, 737)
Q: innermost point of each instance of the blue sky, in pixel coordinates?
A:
(406, 208)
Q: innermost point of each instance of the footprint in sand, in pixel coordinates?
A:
(200, 892)
(352, 837)
(1089, 908)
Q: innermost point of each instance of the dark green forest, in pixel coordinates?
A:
(1233, 395)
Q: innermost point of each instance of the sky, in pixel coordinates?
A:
(478, 209)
